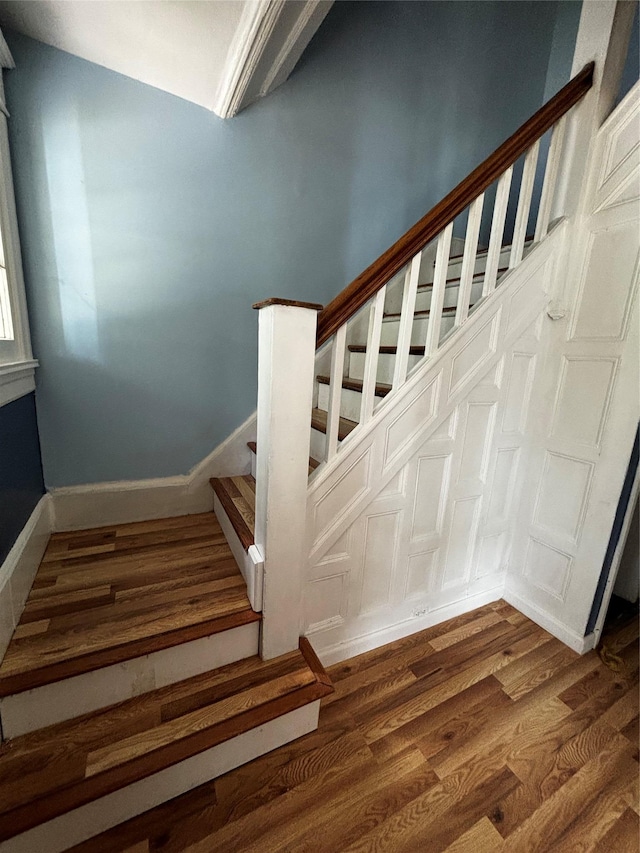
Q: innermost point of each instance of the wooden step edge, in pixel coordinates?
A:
(483, 252)
(61, 670)
(313, 463)
(382, 389)
(423, 313)
(244, 533)
(319, 422)
(454, 282)
(386, 350)
(314, 664)
(49, 806)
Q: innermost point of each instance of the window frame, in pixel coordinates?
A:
(17, 364)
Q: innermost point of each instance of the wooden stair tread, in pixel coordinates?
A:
(52, 771)
(319, 422)
(110, 594)
(382, 389)
(453, 282)
(238, 498)
(313, 463)
(423, 313)
(386, 350)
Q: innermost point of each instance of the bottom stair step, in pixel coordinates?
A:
(64, 784)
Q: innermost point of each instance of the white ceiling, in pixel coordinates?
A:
(201, 51)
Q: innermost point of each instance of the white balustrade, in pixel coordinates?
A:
(376, 313)
(524, 205)
(469, 260)
(497, 231)
(335, 391)
(437, 293)
(550, 179)
(406, 321)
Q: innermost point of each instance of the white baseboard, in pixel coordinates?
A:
(99, 504)
(20, 567)
(95, 817)
(562, 632)
(349, 648)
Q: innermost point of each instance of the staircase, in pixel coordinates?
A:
(154, 656)
(134, 676)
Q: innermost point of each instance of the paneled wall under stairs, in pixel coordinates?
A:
(415, 524)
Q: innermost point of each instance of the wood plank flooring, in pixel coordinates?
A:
(106, 595)
(482, 734)
(53, 770)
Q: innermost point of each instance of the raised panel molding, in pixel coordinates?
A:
(582, 402)
(429, 498)
(503, 483)
(419, 545)
(518, 392)
(474, 354)
(465, 516)
(476, 442)
(562, 495)
(611, 264)
(421, 570)
(344, 493)
(548, 568)
(379, 560)
(414, 419)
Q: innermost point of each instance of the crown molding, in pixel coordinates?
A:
(269, 40)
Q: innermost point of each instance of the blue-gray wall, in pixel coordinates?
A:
(21, 485)
(149, 225)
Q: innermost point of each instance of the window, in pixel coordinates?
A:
(17, 364)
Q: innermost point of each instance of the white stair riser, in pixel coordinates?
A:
(390, 329)
(317, 445)
(89, 820)
(455, 266)
(53, 703)
(423, 298)
(386, 364)
(350, 402)
(251, 571)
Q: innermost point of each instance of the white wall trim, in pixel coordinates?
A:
(99, 504)
(357, 645)
(20, 567)
(266, 27)
(16, 380)
(562, 632)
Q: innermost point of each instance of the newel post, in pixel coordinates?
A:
(286, 359)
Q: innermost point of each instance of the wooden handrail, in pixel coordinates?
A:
(362, 288)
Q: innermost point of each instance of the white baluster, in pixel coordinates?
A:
(437, 294)
(406, 321)
(524, 204)
(550, 179)
(497, 231)
(376, 311)
(335, 391)
(469, 260)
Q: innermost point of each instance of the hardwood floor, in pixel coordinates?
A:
(53, 770)
(106, 595)
(482, 734)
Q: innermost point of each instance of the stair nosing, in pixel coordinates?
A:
(244, 533)
(381, 389)
(322, 427)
